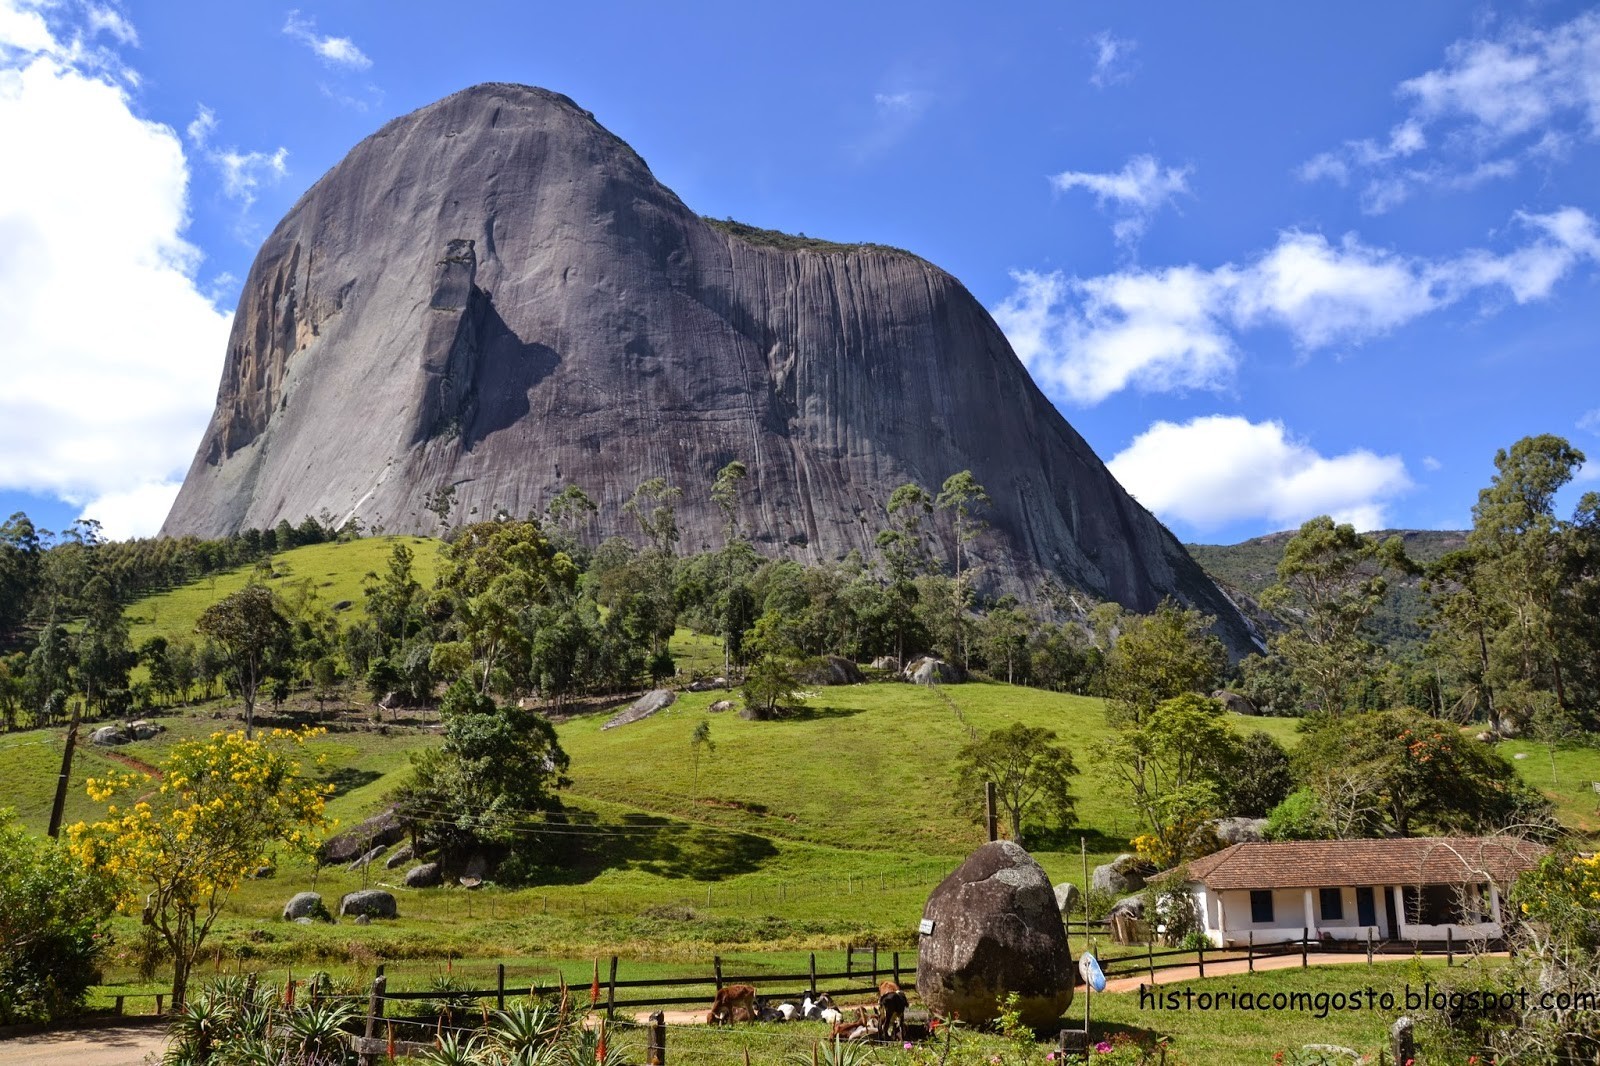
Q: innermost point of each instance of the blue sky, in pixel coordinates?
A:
(1270, 260)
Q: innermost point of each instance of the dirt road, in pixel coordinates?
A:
(109, 1046)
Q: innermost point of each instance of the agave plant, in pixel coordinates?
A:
(524, 1028)
(203, 1021)
(453, 1050)
(839, 1053)
(316, 1034)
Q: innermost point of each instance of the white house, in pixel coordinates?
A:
(1409, 889)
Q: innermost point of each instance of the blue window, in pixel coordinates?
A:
(1332, 904)
(1261, 907)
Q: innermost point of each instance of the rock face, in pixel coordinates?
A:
(996, 930)
(643, 707)
(930, 671)
(373, 902)
(1234, 702)
(520, 306)
(832, 670)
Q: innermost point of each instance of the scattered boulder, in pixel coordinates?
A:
(364, 861)
(831, 670)
(428, 875)
(1068, 899)
(643, 707)
(1124, 874)
(370, 901)
(363, 919)
(401, 855)
(1127, 907)
(306, 906)
(342, 605)
(261, 873)
(144, 729)
(1234, 702)
(477, 867)
(381, 829)
(722, 705)
(886, 662)
(109, 736)
(930, 671)
(303, 921)
(710, 684)
(1239, 830)
(996, 929)
(1485, 738)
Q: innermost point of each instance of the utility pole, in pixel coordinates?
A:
(989, 816)
(58, 808)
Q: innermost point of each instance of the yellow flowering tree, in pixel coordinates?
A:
(184, 840)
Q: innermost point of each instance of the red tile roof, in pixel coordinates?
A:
(1352, 863)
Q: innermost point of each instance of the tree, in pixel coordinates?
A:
(392, 599)
(499, 767)
(247, 628)
(1031, 773)
(1330, 580)
(1175, 768)
(962, 496)
(1263, 776)
(53, 914)
(1393, 773)
(725, 494)
(905, 555)
(700, 738)
(1157, 657)
(220, 809)
(655, 507)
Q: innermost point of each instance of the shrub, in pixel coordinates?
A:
(53, 914)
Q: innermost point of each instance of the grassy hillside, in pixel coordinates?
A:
(1251, 565)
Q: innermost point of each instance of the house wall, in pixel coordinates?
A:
(1227, 918)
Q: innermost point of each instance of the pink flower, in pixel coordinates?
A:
(907, 1045)
(1103, 1047)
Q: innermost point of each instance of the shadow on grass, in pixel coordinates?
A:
(348, 779)
(1054, 838)
(666, 848)
(817, 714)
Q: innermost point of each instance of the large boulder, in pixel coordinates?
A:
(886, 662)
(832, 670)
(995, 929)
(145, 730)
(369, 858)
(306, 905)
(381, 829)
(401, 856)
(643, 707)
(1124, 874)
(370, 901)
(1069, 899)
(1234, 702)
(722, 705)
(930, 671)
(1127, 907)
(109, 736)
(428, 875)
(1239, 830)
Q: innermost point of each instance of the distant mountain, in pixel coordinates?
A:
(493, 295)
(1244, 571)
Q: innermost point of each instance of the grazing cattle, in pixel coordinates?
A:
(892, 1002)
(732, 1003)
(861, 1028)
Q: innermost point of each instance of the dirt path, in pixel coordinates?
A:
(1237, 966)
(109, 1046)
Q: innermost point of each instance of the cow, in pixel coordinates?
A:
(892, 1002)
(733, 1003)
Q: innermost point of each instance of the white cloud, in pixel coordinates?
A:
(336, 51)
(109, 20)
(1136, 192)
(110, 354)
(244, 172)
(1589, 421)
(1492, 105)
(1112, 59)
(1216, 470)
(204, 125)
(1174, 328)
(136, 512)
(1431, 465)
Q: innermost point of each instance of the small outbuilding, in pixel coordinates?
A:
(1423, 888)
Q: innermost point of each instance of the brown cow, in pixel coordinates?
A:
(732, 1003)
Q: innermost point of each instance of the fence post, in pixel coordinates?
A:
(897, 968)
(500, 987)
(657, 1053)
(874, 964)
(375, 1005)
(813, 979)
(1250, 951)
(989, 819)
(716, 969)
(1149, 954)
(1200, 953)
(1449, 946)
(1371, 929)
(1305, 947)
(119, 1004)
(611, 991)
(849, 956)
(159, 998)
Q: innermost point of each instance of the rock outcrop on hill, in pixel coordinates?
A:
(494, 294)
